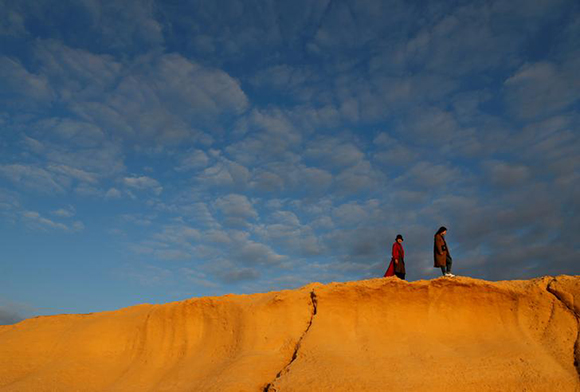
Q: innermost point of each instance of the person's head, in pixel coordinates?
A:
(399, 238)
(442, 230)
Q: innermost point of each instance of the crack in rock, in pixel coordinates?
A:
(314, 303)
(550, 290)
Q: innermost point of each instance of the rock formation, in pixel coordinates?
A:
(457, 334)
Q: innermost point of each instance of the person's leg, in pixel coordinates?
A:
(449, 263)
(444, 270)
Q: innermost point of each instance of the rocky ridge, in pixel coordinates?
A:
(374, 335)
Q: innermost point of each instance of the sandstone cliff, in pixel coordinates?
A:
(456, 334)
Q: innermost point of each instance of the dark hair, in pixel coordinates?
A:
(441, 230)
(399, 236)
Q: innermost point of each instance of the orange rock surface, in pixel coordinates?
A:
(447, 334)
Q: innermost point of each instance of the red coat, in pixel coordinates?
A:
(397, 253)
(390, 270)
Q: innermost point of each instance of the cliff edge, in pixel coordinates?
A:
(458, 334)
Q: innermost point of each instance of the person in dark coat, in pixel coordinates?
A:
(397, 265)
(441, 253)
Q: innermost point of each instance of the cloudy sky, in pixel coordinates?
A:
(151, 151)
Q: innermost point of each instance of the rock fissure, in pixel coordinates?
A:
(314, 304)
(550, 290)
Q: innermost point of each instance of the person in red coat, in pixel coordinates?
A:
(397, 265)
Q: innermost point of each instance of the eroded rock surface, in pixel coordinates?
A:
(375, 335)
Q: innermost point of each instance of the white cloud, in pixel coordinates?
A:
(32, 177)
(282, 77)
(78, 133)
(291, 177)
(190, 87)
(84, 156)
(104, 161)
(179, 234)
(255, 253)
(311, 180)
(174, 241)
(195, 159)
(542, 88)
(197, 277)
(286, 232)
(430, 125)
(77, 226)
(14, 211)
(248, 31)
(352, 214)
(36, 221)
(506, 175)
(106, 26)
(11, 23)
(201, 214)
(61, 167)
(225, 173)
(550, 147)
(267, 181)
(20, 83)
(269, 135)
(359, 178)
(396, 154)
(429, 176)
(137, 219)
(74, 173)
(143, 183)
(229, 272)
(85, 189)
(239, 274)
(76, 74)
(9, 205)
(154, 98)
(323, 223)
(161, 98)
(431, 81)
(237, 210)
(285, 217)
(67, 212)
(218, 237)
(465, 39)
(343, 26)
(333, 153)
(311, 118)
(113, 193)
(125, 26)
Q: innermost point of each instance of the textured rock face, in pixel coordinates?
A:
(376, 335)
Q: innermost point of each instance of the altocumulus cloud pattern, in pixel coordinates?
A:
(154, 150)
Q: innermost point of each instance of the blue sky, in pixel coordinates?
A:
(151, 151)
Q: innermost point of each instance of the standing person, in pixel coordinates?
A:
(441, 254)
(397, 265)
(398, 257)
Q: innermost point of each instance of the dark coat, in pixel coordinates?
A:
(440, 251)
(398, 254)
